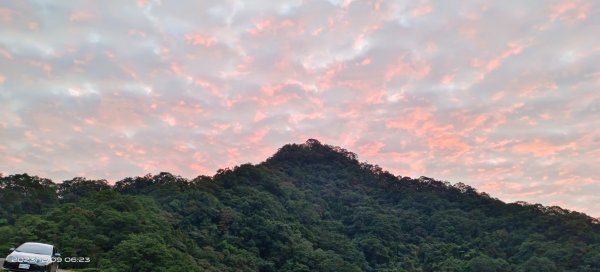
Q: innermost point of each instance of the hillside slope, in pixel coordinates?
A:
(310, 207)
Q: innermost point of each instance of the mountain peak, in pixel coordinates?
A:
(313, 151)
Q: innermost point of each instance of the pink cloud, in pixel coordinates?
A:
(448, 78)
(326, 81)
(376, 96)
(42, 65)
(80, 16)
(221, 127)
(477, 122)
(6, 14)
(438, 136)
(447, 141)
(413, 119)
(570, 11)
(168, 119)
(199, 163)
(537, 87)
(545, 116)
(136, 32)
(365, 61)
(126, 69)
(258, 136)
(351, 112)
(259, 115)
(421, 10)
(271, 25)
(270, 90)
(413, 163)
(127, 151)
(376, 5)
(103, 158)
(177, 69)
(188, 109)
(539, 148)
(209, 86)
(80, 64)
(527, 194)
(297, 118)
(371, 149)
(142, 3)
(417, 70)
(514, 48)
(574, 180)
(5, 54)
(233, 155)
(14, 159)
(118, 113)
(90, 121)
(199, 39)
(497, 187)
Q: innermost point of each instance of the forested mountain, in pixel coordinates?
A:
(310, 207)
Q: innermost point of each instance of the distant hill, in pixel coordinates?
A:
(309, 207)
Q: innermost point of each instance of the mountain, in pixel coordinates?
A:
(309, 207)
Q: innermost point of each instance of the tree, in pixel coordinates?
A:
(74, 189)
(538, 264)
(146, 253)
(484, 263)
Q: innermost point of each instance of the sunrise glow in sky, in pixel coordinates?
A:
(503, 96)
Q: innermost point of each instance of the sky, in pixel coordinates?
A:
(503, 96)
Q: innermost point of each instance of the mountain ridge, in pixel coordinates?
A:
(316, 146)
(309, 207)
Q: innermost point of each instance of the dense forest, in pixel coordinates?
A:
(309, 207)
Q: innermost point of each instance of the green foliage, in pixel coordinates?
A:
(21, 194)
(146, 253)
(310, 207)
(77, 188)
(485, 263)
(538, 264)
